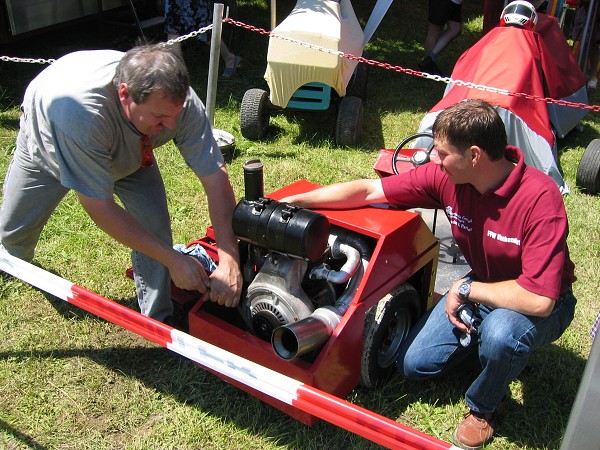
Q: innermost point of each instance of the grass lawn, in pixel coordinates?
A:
(69, 380)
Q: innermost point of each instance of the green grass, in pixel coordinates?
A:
(69, 380)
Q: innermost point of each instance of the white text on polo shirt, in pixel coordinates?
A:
(502, 238)
(462, 222)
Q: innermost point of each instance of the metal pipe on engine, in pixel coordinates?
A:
(293, 340)
(352, 255)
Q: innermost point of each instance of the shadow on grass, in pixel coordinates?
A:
(19, 437)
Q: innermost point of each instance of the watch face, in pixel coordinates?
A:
(464, 290)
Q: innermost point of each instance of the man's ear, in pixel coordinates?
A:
(476, 153)
(123, 93)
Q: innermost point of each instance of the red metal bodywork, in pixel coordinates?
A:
(404, 250)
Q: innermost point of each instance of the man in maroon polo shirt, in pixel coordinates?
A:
(510, 223)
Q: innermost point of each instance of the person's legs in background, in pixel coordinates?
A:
(183, 17)
(445, 24)
(594, 56)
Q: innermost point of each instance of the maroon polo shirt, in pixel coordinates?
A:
(516, 232)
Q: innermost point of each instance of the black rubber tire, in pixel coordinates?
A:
(386, 325)
(348, 125)
(588, 171)
(254, 114)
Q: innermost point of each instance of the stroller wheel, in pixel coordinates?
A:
(254, 114)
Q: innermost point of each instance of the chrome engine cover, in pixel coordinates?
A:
(275, 296)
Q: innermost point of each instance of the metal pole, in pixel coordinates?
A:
(586, 37)
(213, 66)
(273, 14)
(375, 18)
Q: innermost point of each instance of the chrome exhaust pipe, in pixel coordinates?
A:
(290, 341)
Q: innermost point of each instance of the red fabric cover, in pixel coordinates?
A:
(532, 62)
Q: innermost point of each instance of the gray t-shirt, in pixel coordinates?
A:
(75, 130)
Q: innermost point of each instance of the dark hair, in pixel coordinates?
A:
(149, 68)
(472, 122)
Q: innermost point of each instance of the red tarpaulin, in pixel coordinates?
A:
(538, 63)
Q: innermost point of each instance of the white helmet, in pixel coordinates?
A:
(519, 14)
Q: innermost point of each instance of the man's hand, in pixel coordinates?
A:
(226, 284)
(188, 273)
(453, 302)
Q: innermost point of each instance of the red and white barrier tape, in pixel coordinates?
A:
(328, 407)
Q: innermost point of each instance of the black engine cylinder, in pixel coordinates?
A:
(282, 228)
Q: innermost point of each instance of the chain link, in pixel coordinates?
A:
(50, 61)
(360, 59)
(447, 80)
(26, 60)
(188, 36)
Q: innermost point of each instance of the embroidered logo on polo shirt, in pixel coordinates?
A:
(462, 222)
(502, 238)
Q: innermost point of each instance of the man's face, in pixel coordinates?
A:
(151, 117)
(456, 163)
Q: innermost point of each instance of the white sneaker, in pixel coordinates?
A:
(592, 84)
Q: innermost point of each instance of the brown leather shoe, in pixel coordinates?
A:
(475, 430)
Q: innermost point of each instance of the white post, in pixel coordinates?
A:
(273, 14)
(213, 66)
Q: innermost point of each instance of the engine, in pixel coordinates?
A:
(299, 272)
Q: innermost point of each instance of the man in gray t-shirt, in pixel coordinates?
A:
(89, 123)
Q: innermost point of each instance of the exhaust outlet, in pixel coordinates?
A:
(290, 341)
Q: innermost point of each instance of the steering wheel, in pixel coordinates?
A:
(419, 157)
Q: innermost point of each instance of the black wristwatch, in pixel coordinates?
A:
(464, 290)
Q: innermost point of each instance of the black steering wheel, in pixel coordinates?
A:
(419, 157)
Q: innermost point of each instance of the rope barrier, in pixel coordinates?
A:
(311, 400)
(400, 69)
(360, 59)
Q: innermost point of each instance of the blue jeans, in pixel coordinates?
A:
(503, 344)
(31, 195)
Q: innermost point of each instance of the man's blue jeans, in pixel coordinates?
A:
(31, 196)
(503, 344)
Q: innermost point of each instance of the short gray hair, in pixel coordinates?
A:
(150, 68)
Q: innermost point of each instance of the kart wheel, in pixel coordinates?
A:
(254, 114)
(386, 325)
(588, 171)
(349, 121)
